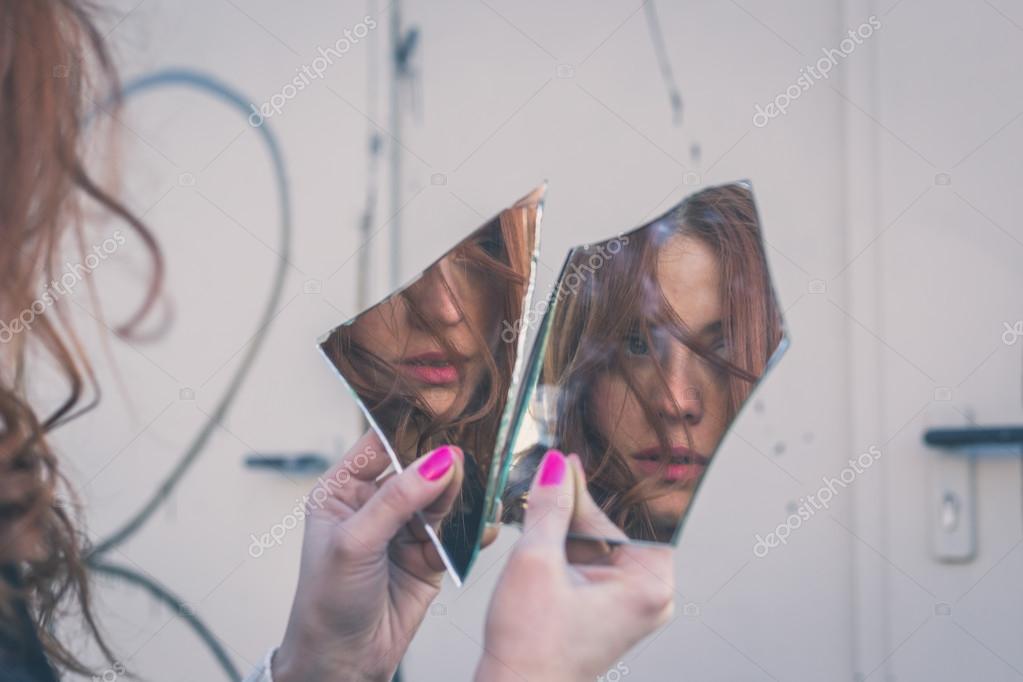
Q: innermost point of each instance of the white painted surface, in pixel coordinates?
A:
(920, 308)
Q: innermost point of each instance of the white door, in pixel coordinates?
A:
(935, 303)
(889, 196)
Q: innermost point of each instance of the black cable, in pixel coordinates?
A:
(209, 85)
(661, 52)
(161, 593)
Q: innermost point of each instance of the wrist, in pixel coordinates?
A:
(292, 663)
(491, 669)
(287, 667)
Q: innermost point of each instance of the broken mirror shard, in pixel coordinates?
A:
(437, 362)
(651, 344)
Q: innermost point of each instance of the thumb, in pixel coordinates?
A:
(588, 518)
(402, 495)
(549, 505)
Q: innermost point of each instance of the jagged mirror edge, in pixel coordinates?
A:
(516, 408)
(776, 355)
(536, 359)
(434, 538)
(513, 390)
(507, 428)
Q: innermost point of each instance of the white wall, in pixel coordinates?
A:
(493, 116)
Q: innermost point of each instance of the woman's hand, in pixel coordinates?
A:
(551, 619)
(369, 571)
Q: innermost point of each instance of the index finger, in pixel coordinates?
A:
(588, 518)
(365, 460)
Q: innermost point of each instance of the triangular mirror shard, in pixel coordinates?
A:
(437, 361)
(651, 344)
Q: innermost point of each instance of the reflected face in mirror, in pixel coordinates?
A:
(436, 336)
(655, 340)
(687, 393)
(433, 363)
(429, 363)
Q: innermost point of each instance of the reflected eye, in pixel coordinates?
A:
(480, 251)
(492, 245)
(719, 348)
(636, 344)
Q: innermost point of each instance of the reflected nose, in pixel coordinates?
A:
(434, 299)
(681, 394)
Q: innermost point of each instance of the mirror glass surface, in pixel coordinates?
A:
(437, 361)
(651, 344)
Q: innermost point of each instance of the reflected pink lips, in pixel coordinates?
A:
(433, 368)
(683, 465)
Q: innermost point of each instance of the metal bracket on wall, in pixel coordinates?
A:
(952, 500)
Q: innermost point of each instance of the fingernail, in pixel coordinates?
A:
(437, 463)
(552, 469)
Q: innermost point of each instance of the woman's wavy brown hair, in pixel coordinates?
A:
(54, 68)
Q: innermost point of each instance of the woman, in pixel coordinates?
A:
(646, 372)
(367, 574)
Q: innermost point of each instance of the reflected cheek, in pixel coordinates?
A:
(619, 418)
(385, 339)
(716, 408)
(483, 315)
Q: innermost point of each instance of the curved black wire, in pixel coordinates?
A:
(161, 593)
(209, 85)
(663, 61)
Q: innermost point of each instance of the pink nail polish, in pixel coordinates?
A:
(552, 469)
(437, 463)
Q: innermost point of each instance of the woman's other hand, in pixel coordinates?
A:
(553, 619)
(369, 570)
